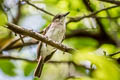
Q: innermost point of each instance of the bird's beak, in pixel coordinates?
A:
(66, 14)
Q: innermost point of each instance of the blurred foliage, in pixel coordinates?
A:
(4, 32)
(3, 16)
(90, 52)
(81, 42)
(108, 48)
(7, 67)
(106, 68)
(28, 68)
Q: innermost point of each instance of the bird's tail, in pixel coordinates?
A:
(39, 68)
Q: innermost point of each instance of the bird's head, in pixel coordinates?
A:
(60, 17)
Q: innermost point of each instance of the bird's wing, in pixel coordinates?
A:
(49, 56)
(39, 67)
(63, 38)
(39, 49)
(40, 43)
(45, 30)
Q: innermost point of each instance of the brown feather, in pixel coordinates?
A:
(38, 70)
(40, 43)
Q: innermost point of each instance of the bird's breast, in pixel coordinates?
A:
(56, 33)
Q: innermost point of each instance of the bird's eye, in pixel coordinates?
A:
(59, 16)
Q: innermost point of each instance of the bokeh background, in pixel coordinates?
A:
(94, 37)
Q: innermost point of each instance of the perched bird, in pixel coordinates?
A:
(55, 31)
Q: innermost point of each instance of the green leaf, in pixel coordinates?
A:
(106, 68)
(4, 33)
(3, 17)
(82, 78)
(36, 79)
(108, 48)
(7, 67)
(1, 1)
(81, 42)
(28, 68)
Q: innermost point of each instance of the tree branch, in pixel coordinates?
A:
(29, 3)
(93, 14)
(114, 53)
(16, 58)
(11, 43)
(22, 45)
(105, 17)
(16, 20)
(97, 36)
(78, 33)
(111, 1)
(38, 36)
(103, 33)
(74, 33)
(72, 19)
(35, 61)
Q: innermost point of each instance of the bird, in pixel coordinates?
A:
(56, 32)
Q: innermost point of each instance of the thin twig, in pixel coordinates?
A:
(71, 19)
(34, 61)
(114, 53)
(93, 14)
(105, 17)
(103, 32)
(36, 35)
(111, 1)
(10, 44)
(22, 45)
(29, 3)
(16, 58)
(21, 39)
(15, 21)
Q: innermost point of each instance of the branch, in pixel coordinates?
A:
(114, 53)
(111, 1)
(22, 45)
(35, 61)
(16, 20)
(100, 17)
(72, 19)
(38, 36)
(75, 33)
(97, 36)
(16, 58)
(29, 3)
(103, 33)
(11, 43)
(76, 19)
